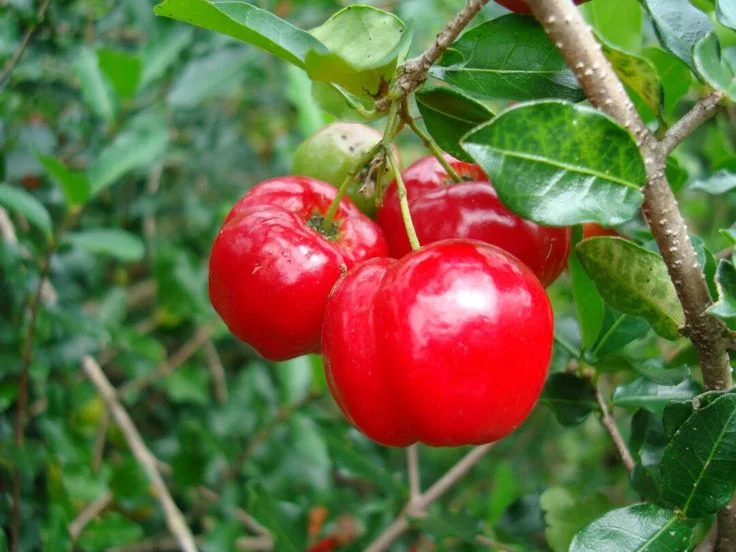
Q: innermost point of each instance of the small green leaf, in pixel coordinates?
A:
(699, 464)
(716, 67)
(654, 370)
(449, 115)
(565, 514)
(716, 184)
(75, 185)
(122, 70)
(637, 528)
(647, 441)
(510, 57)
(633, 280)
(726, 12)
(570, 397)
(588, 302)
(22, 202)
(559, 164)
(725, 308)
(295, 378)
(617, 331)
(444, 524)
(619, 23)
(278, 518)
(644, 393)
(364, 46)
(96, 90)
(110, 530)
(246, 23)
(638, 74)
(113, 242)
(679, 26)
(674, 76)
(159, 55)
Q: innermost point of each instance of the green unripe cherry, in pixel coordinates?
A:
(333, 152)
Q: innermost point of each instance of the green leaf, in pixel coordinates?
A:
(679, 26)
(299, 91)
(565, 514)
(140, 143)
(112, 242)
(634, 281)
(75, 185)
(122, 70)
(449, 115)
(647, 441)
(570, 397)
(716, 184)
(510, 57)
(617, 331)
(247, 23)
(699, 464)
(654, 370)
(619, 23)
(716, 67)
(444, 524)
(309, 452)
(277, 518)
(20, 201)
(364, 46)
(726, 12)
(96, 90)
(109, 530)
(638, 74)
(295, 378)
(725, 308)
(559, 164)
(188, 384)
(159, 55)
(637, 528)
(588, 302)
(674, 76)
(644, 393)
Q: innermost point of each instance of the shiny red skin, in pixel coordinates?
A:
(519, 6)
(593, 230)
(442, 209)
(448, 346)
(270, 273)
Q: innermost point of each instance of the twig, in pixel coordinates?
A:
(244, 517)
(491, 543)
(415, 71)
(100, 440)
(198, 340)
(412, 461)
(219, 380)
(19, 51)
(92, 510)
(174, 518)
(441, 486)
(706, 108)
(7, 229)
(610, 424)
(582, 53)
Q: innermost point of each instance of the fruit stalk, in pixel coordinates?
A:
(411, 232)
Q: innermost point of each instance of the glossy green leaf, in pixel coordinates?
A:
(619, 23)
(559, 164)
(617, 331)
(674, 76)
(588, 302)
(96, 89)
(679, 25)
(121, 69)
(18, 200)
(726, 12)
(638, 74)
(637, 528)
(365, 45)
(716, 184)
(654, 370)
(565, 514)
(139, 144)
(510, 57)
(699, 464)
(647, 441)
(247, 23)
(74, 184)
(725, 308)
(716, 67)
(112, 242)
(644, 393)
(570, 397)
(449, 115)
(634, 281)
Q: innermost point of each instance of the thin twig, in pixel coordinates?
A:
(7, 229)
(20, 50)
(244, 517)
(92, 510)
(217, 370)
(412, 462)
(174, 518)
(610, 424)
(100, 440)
(441, 486)
(706, 108)
(415, 71)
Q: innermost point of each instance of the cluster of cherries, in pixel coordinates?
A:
(446, 345)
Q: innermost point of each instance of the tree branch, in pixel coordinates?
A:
(440, 487)
(174, 518)
(610, 424)
(582, 53)
(92, 510)
(20, 50)
(700, 113)
(415, 71)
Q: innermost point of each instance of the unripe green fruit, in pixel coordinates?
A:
(332, 153)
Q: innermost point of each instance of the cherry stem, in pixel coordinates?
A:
(412, 459)
(349, 179)
(411, 232)
(428, 142)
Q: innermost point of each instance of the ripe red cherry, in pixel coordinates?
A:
(442, 209)
(593, 229)
(448, 346)
(519, 6)
(271, 269)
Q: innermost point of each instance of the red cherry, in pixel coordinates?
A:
(519, 6)
(447, 346)
(442, 209)
(593, 229)
(271, 270)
